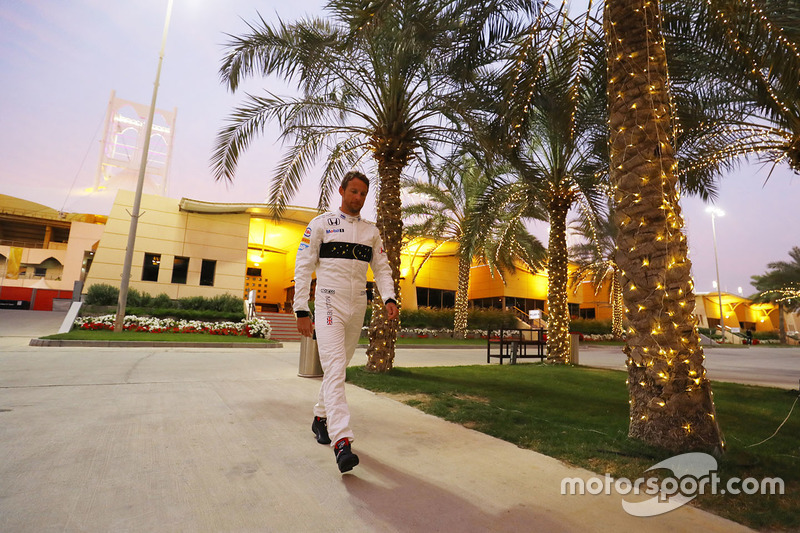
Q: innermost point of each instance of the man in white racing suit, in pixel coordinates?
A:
(339, 245)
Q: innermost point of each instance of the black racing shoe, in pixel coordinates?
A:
(320, 428)
(345, 458)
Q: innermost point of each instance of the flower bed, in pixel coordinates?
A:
(254, 327)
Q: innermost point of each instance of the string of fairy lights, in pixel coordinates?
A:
(522, 59)
(610, 270)
(563, 192)
(761, 140)
(578, 70)
(787, 295)
(383, 333)
(753, 138)
(742, 48)
(652, 353)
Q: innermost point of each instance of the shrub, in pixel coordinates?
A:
(486, 319)
(102, 294)
(710, 333)
(483, 319)
(162, 301)
(226, 303)
(591, 327)
(766, 335)
(192, 302)
(425, 317)
(186, 314)
(139, 299)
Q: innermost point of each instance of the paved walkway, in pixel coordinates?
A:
(182, 439)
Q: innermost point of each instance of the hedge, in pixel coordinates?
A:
(220, 307)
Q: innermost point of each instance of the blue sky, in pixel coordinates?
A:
(61, 60)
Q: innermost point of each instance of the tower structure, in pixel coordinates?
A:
(123, 142)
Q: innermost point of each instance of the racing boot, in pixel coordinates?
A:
(320, 428)
(345, 458)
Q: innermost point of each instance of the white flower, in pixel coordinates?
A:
(257, 327)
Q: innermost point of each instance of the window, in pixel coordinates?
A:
(449, 299)
(255, 272)
(39, 272)
(150, 267)
(487, 303)
(435, 298)
(180, 269)
(524, 304)
(207, 272)
(588, 314)
(574, 310)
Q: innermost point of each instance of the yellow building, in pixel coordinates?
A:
(741, 313)
(191, 248)
(43, 252)
(178, 252)
(194, 248)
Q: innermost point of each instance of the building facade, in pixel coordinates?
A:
(190, 248)
(43, 253)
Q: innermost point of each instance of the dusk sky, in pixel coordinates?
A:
(61, 60)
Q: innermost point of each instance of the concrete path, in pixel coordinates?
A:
(752, 365)
(195, 440)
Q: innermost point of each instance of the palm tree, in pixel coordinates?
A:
(547, 121)
(781, 285)
(671, 403)
(446, 212)
(736, 69)
(595, 258)
(372, 78)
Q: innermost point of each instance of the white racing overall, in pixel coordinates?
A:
(339, 247)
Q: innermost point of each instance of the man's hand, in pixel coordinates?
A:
(392, 312)
(304, 326)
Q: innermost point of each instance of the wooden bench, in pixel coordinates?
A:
(516, 344)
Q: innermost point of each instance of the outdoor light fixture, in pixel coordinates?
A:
(717, 212)
(137, 199)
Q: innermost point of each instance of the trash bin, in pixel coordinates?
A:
(310, 367)
(574, 341)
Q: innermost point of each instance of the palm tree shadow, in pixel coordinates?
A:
(405, 502)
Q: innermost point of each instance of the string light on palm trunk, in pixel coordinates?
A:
(657, 294)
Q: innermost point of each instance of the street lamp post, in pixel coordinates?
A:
(137, 200)
(717, 212)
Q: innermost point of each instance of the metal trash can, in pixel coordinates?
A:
(574, 342)
(310, 367)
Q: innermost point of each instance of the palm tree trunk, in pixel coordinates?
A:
(617, 306)
(671, 404)
(557, 264)
(462, 299)
(382, 332)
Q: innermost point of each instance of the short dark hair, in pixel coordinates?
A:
(354, 174)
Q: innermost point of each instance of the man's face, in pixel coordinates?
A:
(353, 197)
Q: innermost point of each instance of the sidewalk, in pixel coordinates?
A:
(182, 439)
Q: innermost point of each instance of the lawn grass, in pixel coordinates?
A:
(580, 416)
(144, 336)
